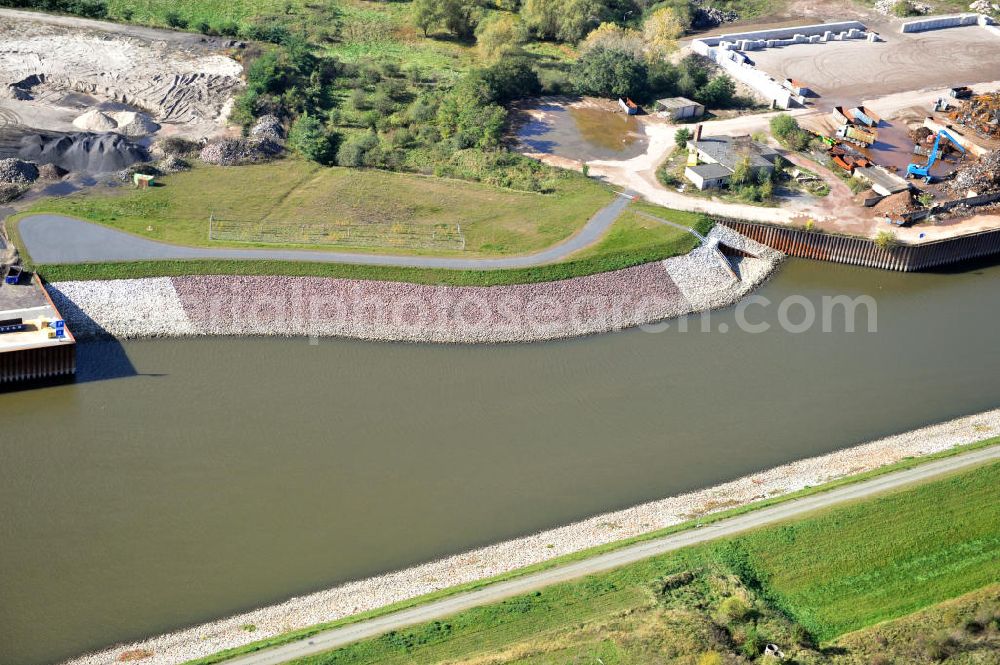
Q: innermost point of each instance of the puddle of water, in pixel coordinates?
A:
(582, 133)
(605, 130)
(60, 188)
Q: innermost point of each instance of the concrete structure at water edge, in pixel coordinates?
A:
(729, 52)
(35, 343)
(717, 158)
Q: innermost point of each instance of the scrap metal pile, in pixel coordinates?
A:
(981, 177)
(981, 114)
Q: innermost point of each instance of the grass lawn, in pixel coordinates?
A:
(812, 579)
(634, 234)
(494, 221)
(212, 12)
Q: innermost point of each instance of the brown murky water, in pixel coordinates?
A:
(582, 133)
(216, 475)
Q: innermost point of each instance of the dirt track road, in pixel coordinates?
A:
(338, 637)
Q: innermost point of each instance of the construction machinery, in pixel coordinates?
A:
(917, 171)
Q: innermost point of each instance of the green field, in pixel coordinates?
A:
(494, 221)
(801, 585)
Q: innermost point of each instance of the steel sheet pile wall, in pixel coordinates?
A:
(45, 362)
(864, 252)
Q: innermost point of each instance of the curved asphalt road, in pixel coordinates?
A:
(58, 239)
(338, 637)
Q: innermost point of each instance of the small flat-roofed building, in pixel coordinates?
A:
(708, 176)
(679, 108)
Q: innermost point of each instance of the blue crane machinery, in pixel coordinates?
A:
(914, 170)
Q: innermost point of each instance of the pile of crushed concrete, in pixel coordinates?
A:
(128, 123)
(234, 152)
(85, 152)
(262, 144)
(17, 171)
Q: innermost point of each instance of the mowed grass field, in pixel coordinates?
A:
(494, 221)
(802, 585)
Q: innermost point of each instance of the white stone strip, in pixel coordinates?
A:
(123, 308)
(360, 596)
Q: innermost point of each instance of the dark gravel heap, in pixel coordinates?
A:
(51, 172)
(83, 152)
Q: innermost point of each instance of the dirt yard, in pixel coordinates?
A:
(847, 72)
(53, 71)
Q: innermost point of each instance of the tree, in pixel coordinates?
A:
(615, 38)
(742, 173)
(786, 129)
(717, 93)
(693, 75)
(510, 79)
(662, 29)
(500, 35)
(469, 116)
(426, 14)
(885, 239)
(682, 136)
(565, 20)
(609, 73)
(308, 138)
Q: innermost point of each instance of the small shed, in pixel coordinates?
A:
(679, 108)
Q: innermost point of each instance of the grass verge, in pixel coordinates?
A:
(304, 633)
(800, 583)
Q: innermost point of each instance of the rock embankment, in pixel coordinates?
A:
(377, 310)
(482, 563)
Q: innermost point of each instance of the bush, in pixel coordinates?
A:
(904, 9)
(753, 644)
(786, 129)
(718, 93)
(175, 20)
(885, 239)
(734, 608)
(682, 136)
(358, 150)
(308, 138)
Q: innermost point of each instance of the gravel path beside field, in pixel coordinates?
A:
(485, 562)
(367, 309)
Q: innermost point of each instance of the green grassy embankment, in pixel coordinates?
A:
(495, 222)
(288, 193)
(797, 584)
(700, 521)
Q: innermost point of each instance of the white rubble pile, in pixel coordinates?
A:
(232, 152)
(268, 128)
(17, 171)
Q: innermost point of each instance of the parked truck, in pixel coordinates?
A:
(857, 135)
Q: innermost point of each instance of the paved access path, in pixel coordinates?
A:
(58, 239)
(338, 637)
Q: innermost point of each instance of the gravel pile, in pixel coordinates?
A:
(133, 124)
(232, 152)
(268, 128)
(710, 17)
(176, 146)
(9, 192)
(51, 172)
(485, 562)
(125, 175)
(84, 152)
(887, 7)
(172, 164)
(95, 121)
(18, 171)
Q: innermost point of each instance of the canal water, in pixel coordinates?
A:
(202, 477)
